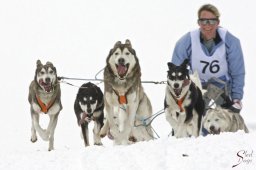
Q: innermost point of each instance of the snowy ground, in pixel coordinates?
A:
(77, 36)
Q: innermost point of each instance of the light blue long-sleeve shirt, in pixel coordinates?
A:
(234, 56)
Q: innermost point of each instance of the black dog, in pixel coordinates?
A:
(184, 104)
(89, 105)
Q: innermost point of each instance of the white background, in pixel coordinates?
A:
(76, 36)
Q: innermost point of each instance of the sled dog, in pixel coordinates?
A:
(218, 120)
(184, 105)
(45, 99)
(126, 104)
(89, 106)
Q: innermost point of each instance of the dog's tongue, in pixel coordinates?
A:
(47, 86)
(84, 115)
(121, 69)
(177, 92)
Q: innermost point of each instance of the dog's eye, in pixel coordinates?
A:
(208, 120)
(216, 120)
(127, 53)
(171, 77)
(179, 78)
(51, 72)
(93, 101)
(42, 72)
(116, 53)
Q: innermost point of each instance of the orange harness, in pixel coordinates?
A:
(179, 102)
(121, 99)
(44, 108)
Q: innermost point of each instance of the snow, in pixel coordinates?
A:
(77, 36)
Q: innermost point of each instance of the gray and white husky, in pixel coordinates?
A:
(44, 98)
(126, 104)
(218, 119)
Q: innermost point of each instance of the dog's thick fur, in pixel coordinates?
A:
(89, 106)
(44, 98)
(184, 105)
(126, 103)
(219, 120)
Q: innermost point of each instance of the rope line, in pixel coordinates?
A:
(152, 117)
(144, 121)
(101, 80)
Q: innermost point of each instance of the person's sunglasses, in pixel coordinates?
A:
(204, 21)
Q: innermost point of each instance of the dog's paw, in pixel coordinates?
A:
(110, 136)
(104, 130)
(98, 143)
(33, 139)
(50, 149)
(103, 133)
(132, 139)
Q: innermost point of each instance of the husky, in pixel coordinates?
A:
(45, 99)
(126, 104)
(218, 119)
(89, 106)
(183, 104)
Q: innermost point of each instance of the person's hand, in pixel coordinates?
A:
(236, 106)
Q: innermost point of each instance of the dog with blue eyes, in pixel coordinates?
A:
(183, 104)
(89, 106)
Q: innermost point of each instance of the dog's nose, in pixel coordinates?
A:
(89, 110)
(176, 85)
(47, 80)
(121, 61)
(212, 128)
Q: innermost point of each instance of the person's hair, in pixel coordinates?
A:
(209, 8)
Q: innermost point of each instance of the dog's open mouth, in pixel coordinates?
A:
(122, 70)
(177, 91)
(47, 86)
(86, 118)
(215, 131)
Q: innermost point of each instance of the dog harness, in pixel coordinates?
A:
(180, 101)
(45, 108)
(122, 99)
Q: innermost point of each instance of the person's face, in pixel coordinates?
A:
(208, 23)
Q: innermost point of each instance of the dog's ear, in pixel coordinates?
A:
(118, 43)
(170, 65)
(128, 43)
(49, 63)
(185, 63)
(38, 63)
